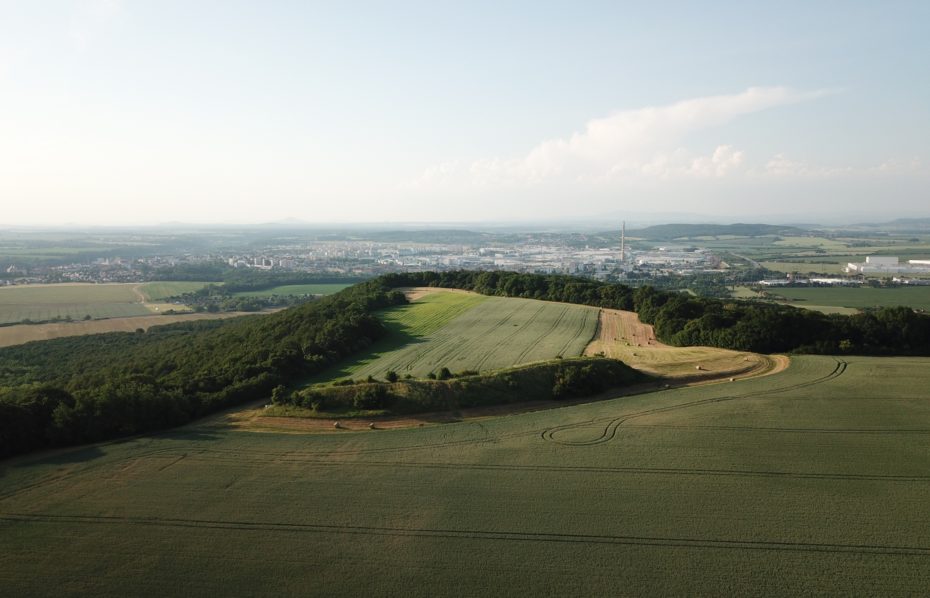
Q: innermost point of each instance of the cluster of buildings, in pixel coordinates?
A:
(373, 258)
(888, 265)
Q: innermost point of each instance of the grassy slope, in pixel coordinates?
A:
(810, 481)
(470, 332)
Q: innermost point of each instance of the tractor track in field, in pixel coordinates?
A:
(263, 459)
(510, 336)
(532, 345)
(474, 534)
(613, 424)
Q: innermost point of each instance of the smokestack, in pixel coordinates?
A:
(623, 242)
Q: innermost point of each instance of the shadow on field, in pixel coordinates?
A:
(397, 338)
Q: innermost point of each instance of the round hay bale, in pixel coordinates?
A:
(337, 425)
(732, 379)
(371, 426)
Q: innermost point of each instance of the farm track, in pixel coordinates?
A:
(475, 534)
(613, 424)
(259, 460)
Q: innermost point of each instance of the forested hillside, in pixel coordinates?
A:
(89, 388)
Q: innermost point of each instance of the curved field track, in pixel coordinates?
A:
(622, 336)
(812, 481)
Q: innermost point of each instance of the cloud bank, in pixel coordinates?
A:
(646, 142)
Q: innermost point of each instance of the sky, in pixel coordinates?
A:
(142, 112)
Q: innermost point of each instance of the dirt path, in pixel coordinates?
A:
(137, 290)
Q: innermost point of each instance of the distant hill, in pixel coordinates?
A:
(663, 232)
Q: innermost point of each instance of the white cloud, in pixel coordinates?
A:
(913, 165)
(642, 142)
(783, 166)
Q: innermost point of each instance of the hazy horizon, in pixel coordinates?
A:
(126, 113)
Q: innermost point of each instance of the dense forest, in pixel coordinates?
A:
(683, 320)
(88, 388)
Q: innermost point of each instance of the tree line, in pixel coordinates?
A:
(90, 388)
(684, 320)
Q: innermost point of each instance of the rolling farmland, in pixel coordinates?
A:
(296, 289)
(76, 301)
(463, 331)
(809, 481)
(24, 333)
(44, 302)
(161, 290)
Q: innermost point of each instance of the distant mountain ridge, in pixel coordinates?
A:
(690, 231)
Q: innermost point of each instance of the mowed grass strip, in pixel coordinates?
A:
(491, 333)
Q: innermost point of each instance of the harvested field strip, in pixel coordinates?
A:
(622, 336)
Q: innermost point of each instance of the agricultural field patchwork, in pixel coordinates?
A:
(161, 290)
(24, 333)
(77, 301)
(463, 331)
(297, 289)
(810, 481)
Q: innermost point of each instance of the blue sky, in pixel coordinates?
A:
(141, 112)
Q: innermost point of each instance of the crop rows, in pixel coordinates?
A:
(495, 333)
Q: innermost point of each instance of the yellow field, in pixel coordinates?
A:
(622, 336)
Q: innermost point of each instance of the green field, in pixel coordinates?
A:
(158, 291)
(812, 481)
(856, 297)
(296, 289)
(471, 332)
(45, 302)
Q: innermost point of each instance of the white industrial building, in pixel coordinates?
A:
(887, 265)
